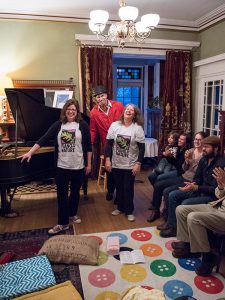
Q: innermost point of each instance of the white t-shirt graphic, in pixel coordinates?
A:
(70, 147)
(125, 148)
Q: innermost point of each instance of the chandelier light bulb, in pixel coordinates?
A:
(126, 30)
(141, 28)
(99, 16)
(128, 13)
(96, 28)
(150, 20)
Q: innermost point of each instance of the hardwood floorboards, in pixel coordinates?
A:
(39, 210)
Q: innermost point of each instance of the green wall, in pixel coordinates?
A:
(212, 40)
(39, 49)
(46, 49)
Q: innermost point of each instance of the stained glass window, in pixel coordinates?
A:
(129, 73)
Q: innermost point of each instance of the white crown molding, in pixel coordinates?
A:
(209, 60)
(161, 44)
(210, 17)
(205, 21)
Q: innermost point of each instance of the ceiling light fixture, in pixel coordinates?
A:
(127, 30)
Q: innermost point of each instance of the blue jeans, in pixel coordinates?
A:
(185, 198)
(169, 174)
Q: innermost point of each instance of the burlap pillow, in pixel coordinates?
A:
(71, 249)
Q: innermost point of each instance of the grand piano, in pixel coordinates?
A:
(32, 119)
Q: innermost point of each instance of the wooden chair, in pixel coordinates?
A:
(102, 173)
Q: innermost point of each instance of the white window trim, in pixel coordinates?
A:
(209, 69)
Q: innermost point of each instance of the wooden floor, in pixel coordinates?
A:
(39, 210)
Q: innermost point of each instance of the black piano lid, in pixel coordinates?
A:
(34, 118)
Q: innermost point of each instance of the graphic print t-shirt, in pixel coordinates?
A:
(125, 148)
(70, 147)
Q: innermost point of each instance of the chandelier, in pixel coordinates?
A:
(127, 30)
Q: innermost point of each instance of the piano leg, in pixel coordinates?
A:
(6, 210)
(5, 205)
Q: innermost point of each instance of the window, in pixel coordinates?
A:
(129, 85)
(213, 99)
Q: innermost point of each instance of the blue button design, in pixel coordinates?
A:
(122, 237)
(189, 264)
(177, 288)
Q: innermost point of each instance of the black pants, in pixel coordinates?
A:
(124, 181)
(68, 204)
(111, 185)
(158, 190)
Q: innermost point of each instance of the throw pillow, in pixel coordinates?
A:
(140, 293)
(60, 291)
(71, 249)
(25, 276)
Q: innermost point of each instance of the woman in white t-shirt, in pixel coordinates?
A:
(125, 147)
(73, 153)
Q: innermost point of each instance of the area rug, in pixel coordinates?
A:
(25, 244)
(176, 277)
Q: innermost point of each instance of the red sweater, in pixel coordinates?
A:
(100, 122)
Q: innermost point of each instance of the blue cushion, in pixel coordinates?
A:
(25, 276)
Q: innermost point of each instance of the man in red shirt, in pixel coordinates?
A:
(101, 117)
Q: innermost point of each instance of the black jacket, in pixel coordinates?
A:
(203, 176)
(52, 134)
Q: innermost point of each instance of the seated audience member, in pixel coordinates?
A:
(166, 169)
(192, 158)
(183, 142)
(201, 190)
(193, 221)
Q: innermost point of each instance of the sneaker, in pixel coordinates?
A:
(58, 228)
(75, 219)
(116, 212)
(131, 218)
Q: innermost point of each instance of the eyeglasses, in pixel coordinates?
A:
(197, 140)
(71, 109)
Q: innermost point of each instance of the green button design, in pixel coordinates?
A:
(102, 258)
(163, 268)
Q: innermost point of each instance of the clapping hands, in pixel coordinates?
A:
(219, 175)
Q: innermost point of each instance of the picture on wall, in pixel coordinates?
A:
(61, 97)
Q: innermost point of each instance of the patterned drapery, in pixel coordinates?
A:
(177, 94)
(96, 69)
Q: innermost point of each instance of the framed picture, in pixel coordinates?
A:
(60, 97)
(49, 97)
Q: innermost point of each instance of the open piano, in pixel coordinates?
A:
(32, 119)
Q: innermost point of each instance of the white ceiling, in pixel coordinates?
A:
(190, 13)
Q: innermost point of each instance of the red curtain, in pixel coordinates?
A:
(96, 69)
(177, 94)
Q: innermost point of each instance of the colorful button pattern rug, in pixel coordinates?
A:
(176, 277)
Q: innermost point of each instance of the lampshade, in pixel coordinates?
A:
(5, 82)
(141, 28)
(96, 28)
(99, 16)
(128, 13)
(150, 20)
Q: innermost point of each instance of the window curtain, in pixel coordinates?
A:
(95, 69)
(177, 94)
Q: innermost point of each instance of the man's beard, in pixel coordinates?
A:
(209, 155)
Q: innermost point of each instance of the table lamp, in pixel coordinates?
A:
(5, 82)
